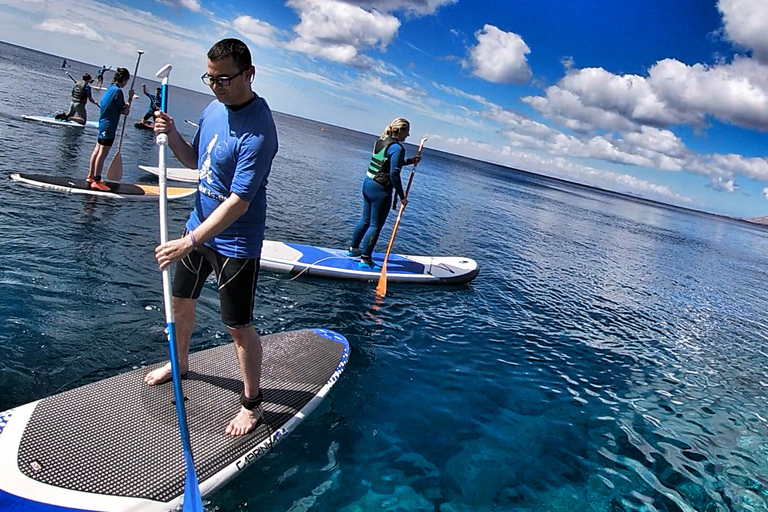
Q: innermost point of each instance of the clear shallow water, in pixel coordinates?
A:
(611, 356)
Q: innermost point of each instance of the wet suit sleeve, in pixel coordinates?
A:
(396, 155)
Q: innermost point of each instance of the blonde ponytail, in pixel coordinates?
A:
(395, 126)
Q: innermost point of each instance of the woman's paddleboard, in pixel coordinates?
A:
(60, 122)
(334, 263)
(115, 444)
(117, 190)
(173, 173)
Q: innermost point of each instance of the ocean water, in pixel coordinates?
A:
(612, 355)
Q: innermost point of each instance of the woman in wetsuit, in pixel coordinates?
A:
(382, 178)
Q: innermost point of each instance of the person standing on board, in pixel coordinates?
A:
(100, 75)
(81, 95)
(154, 104)
(65, 64)
(233, 149)
(112, 105)
(383, 176)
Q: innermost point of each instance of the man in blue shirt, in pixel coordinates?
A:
(233, 149)
(154, 104)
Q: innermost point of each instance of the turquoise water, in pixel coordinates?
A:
(611, 355)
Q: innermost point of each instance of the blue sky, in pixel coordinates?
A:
(663, 99)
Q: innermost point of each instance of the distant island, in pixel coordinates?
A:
(758, 220)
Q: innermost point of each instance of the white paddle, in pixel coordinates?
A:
(192, 499)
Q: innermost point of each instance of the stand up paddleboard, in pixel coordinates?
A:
(117, 190)
(114, 445)
(334, 263)
(59, 122)
(173, 173)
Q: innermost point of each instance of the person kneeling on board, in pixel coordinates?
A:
(234, 147)
(112, 105)
(81, 95)
(382, 178)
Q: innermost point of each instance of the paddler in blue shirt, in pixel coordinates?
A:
(112, 105)
(233, 149)
(100, 75)
(155, 100)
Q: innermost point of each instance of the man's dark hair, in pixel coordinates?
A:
(234, 48)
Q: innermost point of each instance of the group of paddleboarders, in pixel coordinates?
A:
(233, 149)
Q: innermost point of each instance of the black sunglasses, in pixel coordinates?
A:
(221, 81)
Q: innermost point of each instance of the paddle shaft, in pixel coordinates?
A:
(192, 499)
(130, 100)
(381, 287)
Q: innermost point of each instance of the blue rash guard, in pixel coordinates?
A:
(112, 104)
(235, 149)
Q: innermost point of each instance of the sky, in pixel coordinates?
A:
(661, 99)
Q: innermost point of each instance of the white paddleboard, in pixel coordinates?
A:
(174, 173)
(116, 190)
(114, 445)
(57, 122)
(308, 260)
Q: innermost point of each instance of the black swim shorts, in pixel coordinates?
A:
(236, 280)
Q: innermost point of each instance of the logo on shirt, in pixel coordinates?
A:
(205, 169)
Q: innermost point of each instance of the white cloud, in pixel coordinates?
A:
(192, 5)
(76, 29)
(499, 56)
(564, 169)
(746, 24)
(416, 7)
(673, 93)
(337, 31)
(257, 31)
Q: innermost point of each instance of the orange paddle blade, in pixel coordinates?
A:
(381, 288)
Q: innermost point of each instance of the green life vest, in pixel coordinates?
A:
(378, 169)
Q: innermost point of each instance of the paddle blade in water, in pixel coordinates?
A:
(381, 288)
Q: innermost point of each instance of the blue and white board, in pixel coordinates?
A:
(334, 263)
(114, 445)
(59, 122)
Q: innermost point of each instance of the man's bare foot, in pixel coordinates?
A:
(244, 422)
(161, 375)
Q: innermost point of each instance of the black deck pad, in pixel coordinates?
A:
(121, 437)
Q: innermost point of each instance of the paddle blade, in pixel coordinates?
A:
(115, 171)
(381, 288)
(193, 502)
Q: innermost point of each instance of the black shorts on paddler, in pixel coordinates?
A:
(236, 280)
